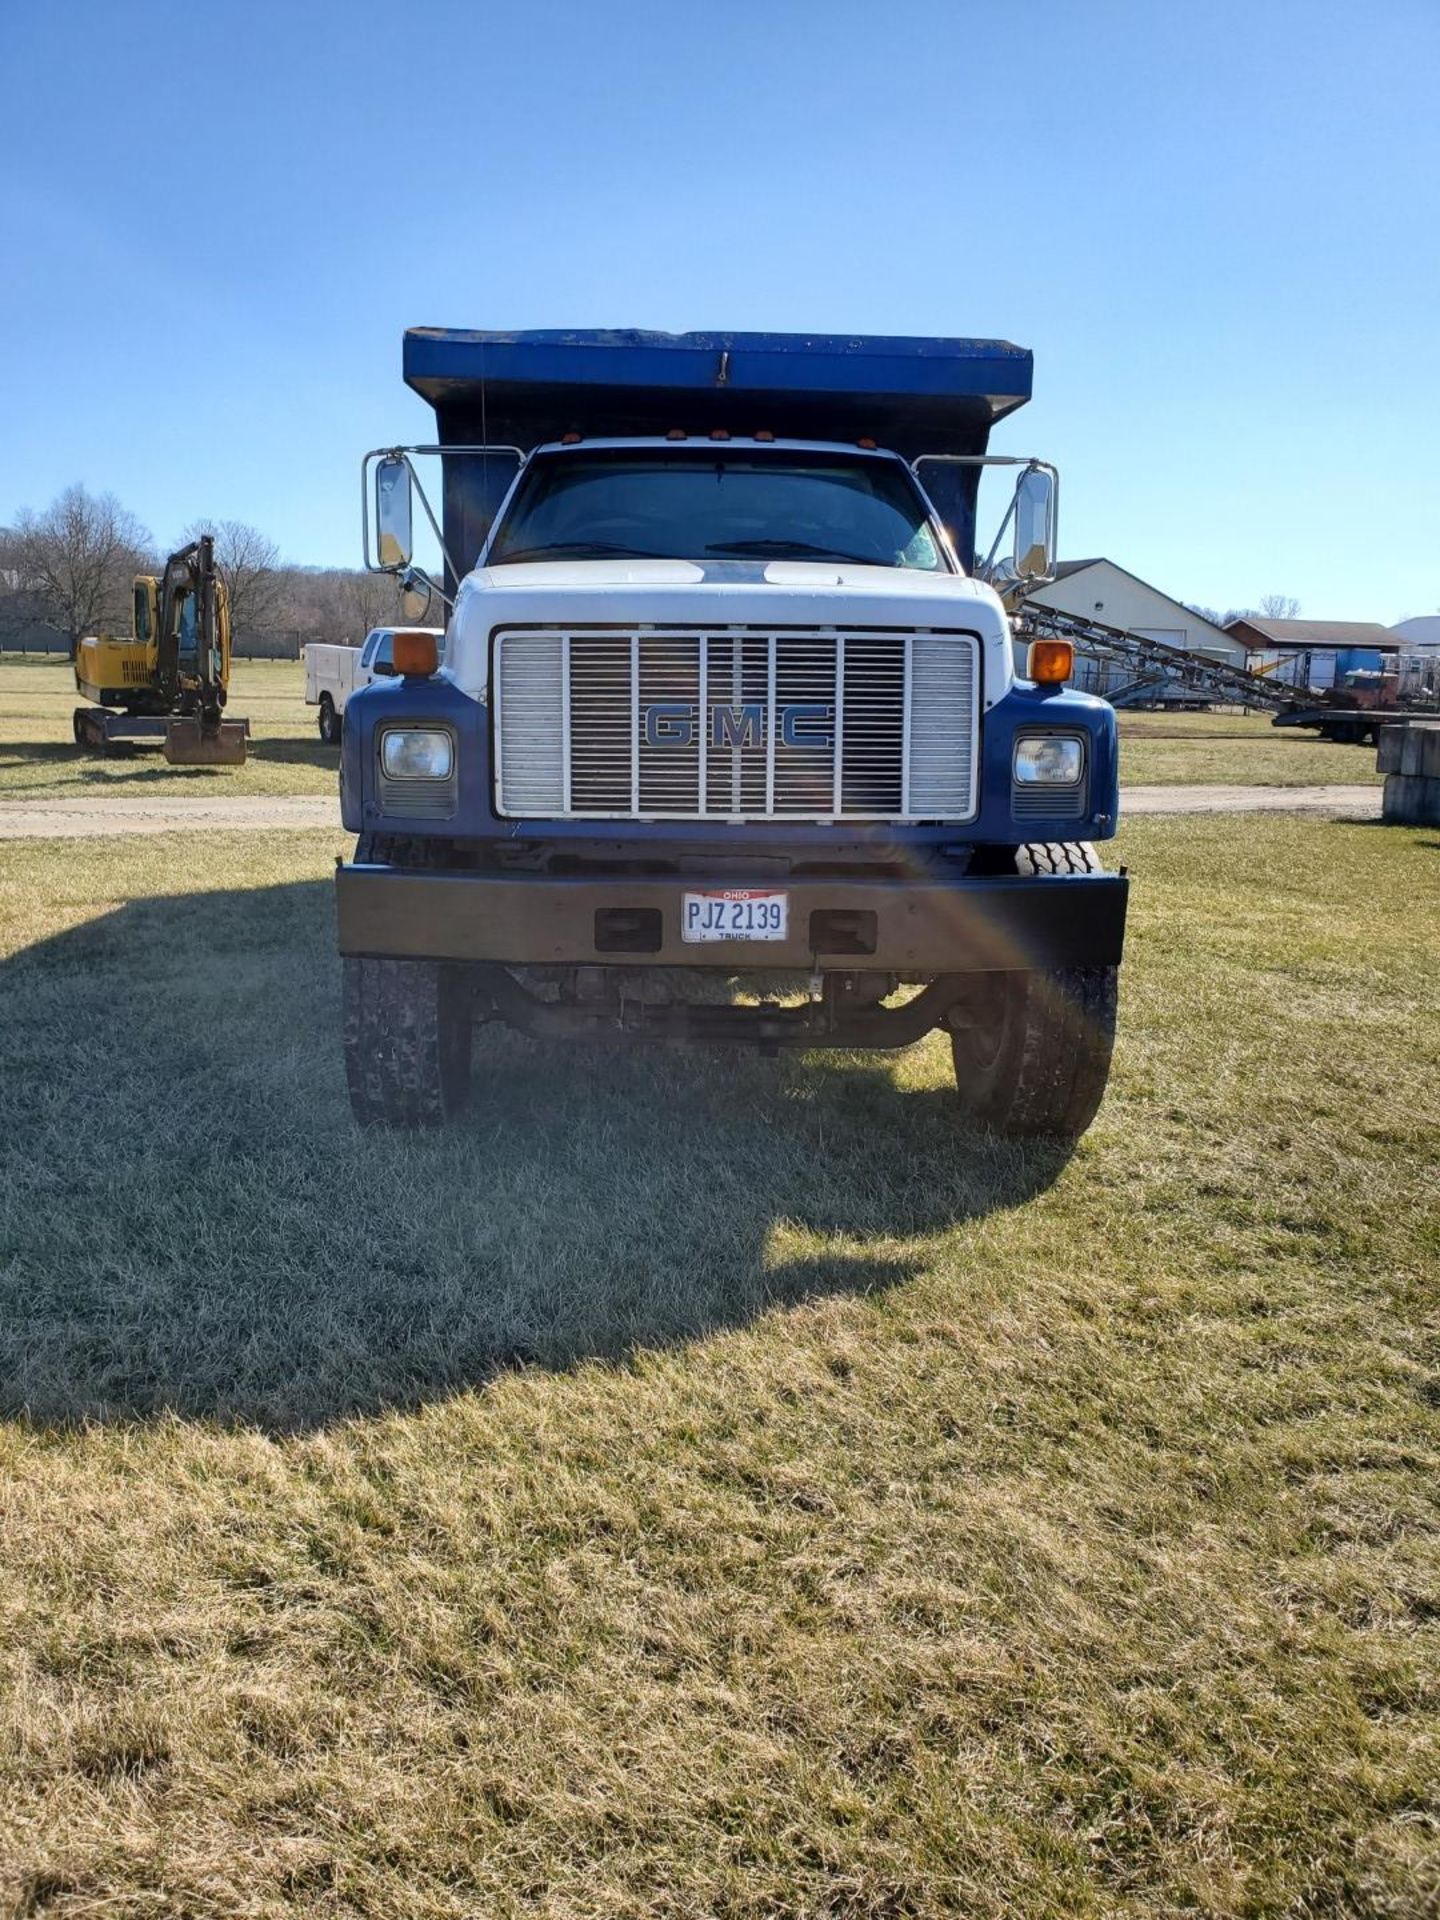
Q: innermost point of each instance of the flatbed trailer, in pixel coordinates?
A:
(1352, 726)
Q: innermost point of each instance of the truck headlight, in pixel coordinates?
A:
(417, 753)
(1049, 760)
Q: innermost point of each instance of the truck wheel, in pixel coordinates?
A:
(407, 1030)
(1034, 1057)
(330, 721)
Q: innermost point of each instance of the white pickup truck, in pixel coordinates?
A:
(333, 673)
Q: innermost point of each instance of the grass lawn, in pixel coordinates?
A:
(1234, 749)
(707, 1486)
(39, 760)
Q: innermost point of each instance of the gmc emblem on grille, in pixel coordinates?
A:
(804, 723)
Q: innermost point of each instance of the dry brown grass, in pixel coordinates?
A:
(1234, 749)
(39, 758)
(703, 1486)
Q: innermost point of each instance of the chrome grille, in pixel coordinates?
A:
(735, 724)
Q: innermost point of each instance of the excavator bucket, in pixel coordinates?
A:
(190, 742)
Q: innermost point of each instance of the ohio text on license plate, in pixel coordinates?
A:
(739, 913)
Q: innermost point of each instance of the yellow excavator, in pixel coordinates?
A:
(166, 681)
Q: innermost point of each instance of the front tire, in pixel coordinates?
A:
(1032, 1057)
(407, 1034)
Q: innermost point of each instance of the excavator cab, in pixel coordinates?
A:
(146, 617)
(169, 677)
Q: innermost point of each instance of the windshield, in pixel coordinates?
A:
(685, 505)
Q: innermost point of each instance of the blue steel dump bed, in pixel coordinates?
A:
(917, 396)
(914, 396)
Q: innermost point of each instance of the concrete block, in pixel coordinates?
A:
(1412, 749)
(1412, 800)
(1410, 746)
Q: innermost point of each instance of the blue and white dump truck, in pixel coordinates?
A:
(728, 742)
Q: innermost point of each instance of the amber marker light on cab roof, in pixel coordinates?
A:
(676, 433)
(763, 433)
(415, 653)
(569, 439)
(1050, 661)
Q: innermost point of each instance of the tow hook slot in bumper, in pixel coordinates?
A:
(852, 930)
(621, 930)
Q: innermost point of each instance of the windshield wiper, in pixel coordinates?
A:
(790, 550)
(576, 550)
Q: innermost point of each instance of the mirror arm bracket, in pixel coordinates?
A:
(1031, 464)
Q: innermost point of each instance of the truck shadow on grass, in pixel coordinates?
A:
(192, 1223)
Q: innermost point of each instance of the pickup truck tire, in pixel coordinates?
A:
(1035, 1062)
(330, 721)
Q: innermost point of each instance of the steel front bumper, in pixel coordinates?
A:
(914, 930)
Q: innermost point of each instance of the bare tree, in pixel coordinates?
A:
(365, 600)
(248, 561)
(77, 557)
(1278, 606)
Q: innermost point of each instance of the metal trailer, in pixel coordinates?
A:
(1340, 716)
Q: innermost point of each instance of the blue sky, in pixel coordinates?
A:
(1218, 227)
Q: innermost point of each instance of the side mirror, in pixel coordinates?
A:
(394, 537)
(1035, 524)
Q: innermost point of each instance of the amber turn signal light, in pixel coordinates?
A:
(416, 653)
(1050, 661)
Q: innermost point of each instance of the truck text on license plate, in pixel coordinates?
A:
(740, 913)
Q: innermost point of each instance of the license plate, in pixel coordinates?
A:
(739, 913)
